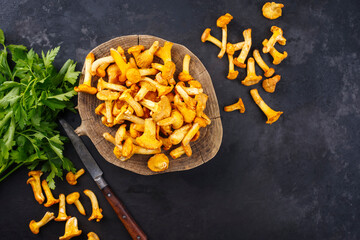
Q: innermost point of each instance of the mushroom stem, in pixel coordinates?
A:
(35, 226)
(271, 115)
(268, 72)
(251, 77)
(73, 198)
(277, 56)
(34, 181)
(62, 210)
(99, 62)
(50, 198)
(277, 36)
(240, 60)
(223, 42)
(96, 211)
(206, 36)
(126, 96)
(71, 229)
(177, 152)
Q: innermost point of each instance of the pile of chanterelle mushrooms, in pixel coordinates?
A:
(244, 48)
(152, 109)
(71, 226)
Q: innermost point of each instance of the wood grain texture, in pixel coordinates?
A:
(204, 149)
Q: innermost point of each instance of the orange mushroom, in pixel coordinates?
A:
(271, 115)
(251, 77)
(239, 105)
(240, 60)
(270, 83)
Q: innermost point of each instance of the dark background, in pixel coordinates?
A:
(296, 179)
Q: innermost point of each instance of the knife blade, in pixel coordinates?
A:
(96, 173)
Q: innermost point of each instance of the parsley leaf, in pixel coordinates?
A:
(32, 94)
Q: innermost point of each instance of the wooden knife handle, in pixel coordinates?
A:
(131, 226)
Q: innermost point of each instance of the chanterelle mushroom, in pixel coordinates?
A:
(160, 110)
(178, 135)
(176, 120)
(50, 198)
(102, 85)
(158, 163)
(35, 226)
(126, 96)
(272, 10)
(222, 22)
(190, 102)
(268, 72)
(185, 74)
(167, 70)
(270, 83)
(96, 211)
(251, 77)
(72, 178)
(145, 87)
(277, 56)
(92, 236)
(62, 210)
(272, 115)
(34, 181)
(206, 36)
(240, 60)
(73, 198)
(188, 113)
(86, 85)
(99, 62)
(120, 63)
(148, 139)
(230, 52)
(276, 37)
(239, 105)
(198, 122)
(162, 90)
(165, 52)
(71, 229)
(145, 58)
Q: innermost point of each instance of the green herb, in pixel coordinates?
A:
(32, 93)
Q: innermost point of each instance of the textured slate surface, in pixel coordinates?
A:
(296, 179)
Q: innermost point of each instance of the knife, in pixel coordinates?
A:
(123, 214)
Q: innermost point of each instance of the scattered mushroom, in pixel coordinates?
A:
(35, 226)
(272, 10)
(92, 236)
(72, 178)
(49, 196)
(272, 115)
(230, 52)
(268, 72)
(251, 77)
(86, 85)
(185, 74)
(239, 105)
(240, 60)
(34, 181)
(276, 37)
(222, 22)
(158, 163)
(73, 198)
(62, 210)
(277, 56)
(206, 36)
(96, 211)
(71, 229)
(270, 83)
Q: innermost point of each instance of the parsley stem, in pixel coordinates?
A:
(12, 170)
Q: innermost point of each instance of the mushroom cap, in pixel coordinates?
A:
(92, 236)
(136, 49)
(178, 119)
(34, 227)
(205, 34)
(239, 64)
(158, 163)
(72, 197)
(85, 88)
(71, 229)
(195, 84)
(148, 86)
(133, 75)
(148, 139)
(183, 76)
(232, 74)
(70, 178)
(272, 10)
(163, 109)
(107, 95)
(251, 80)
(168, 70)
(230, 49)
(224, 20)
(200, 121)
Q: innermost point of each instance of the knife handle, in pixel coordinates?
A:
(131, 226)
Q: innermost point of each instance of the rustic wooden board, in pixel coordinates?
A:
(210, 137)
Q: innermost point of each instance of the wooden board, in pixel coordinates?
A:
(204, 149)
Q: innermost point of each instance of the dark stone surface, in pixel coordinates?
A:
(296, 179)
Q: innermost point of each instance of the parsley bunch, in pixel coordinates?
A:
(32, 93)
